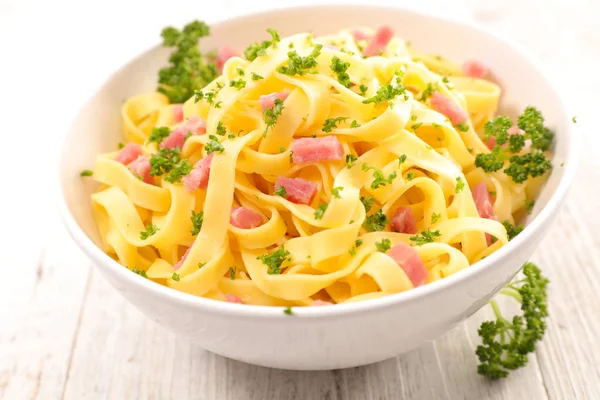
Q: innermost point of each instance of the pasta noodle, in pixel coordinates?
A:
(397, 154)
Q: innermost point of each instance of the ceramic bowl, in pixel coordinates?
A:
(316, 338)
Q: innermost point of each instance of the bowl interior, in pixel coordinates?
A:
(97, 127)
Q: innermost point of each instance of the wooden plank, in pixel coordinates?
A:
(34, 357)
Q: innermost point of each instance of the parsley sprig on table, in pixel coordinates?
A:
(521, 166)
(189, 69)
(506, 343)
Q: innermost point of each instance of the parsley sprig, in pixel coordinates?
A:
(197, 220)
(169, 161)
(506, 343)
(387, 93)
(189, 69)
(271, 115)
(331, 123)
(376, 222)
(158, 134)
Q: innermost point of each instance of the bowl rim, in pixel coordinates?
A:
(225, 309)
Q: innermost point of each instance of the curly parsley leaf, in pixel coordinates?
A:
(379, 178)
(213, 145)
(260, 49)
(320, 211)
(271, 115)
(507, 343)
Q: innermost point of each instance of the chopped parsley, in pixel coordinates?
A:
(335, 192)
(354, 124)
(331, 123)
(367, 202)
(260, 49)
(164, 161)
(386, 93)
(197, 220)
(363, 89)
(358, 243)
(435, 217)
(256, 77)
(239, 84)
(428, 91)
(427, 236)
(464, 127)
(416, 126)
(529, 206)
(512, 230)
(384, 245)
(379, 178)
(300, 65)
(221, 130)
(232, 273)
(150, 230)
(201, 264)
(287, 310)
(402, 159)
(271, 115)
(350, 160)
(209, 95)
(175, 276)
(320, 211)
(460, 185)
(158, 134)
(140, 272)
(120, 145)
(280, 191)
(188, 69)
(410, 176)
(181, 169)
(213, 145)
(574, 119)
(376, 222)
(274, 260)
(340, 67)
(87, 172)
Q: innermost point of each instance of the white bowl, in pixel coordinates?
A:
(338, 336)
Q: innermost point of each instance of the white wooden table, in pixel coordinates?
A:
(64, 333)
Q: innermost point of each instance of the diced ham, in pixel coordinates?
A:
(223, 54)
(178, 113)
(140, 167)
(450, 109)
(194, 125)
(327, 148)
(380, 40)
(408, 259)
(321, 303)
(360, 35)
(298, 190)
(175, 140)
(129, 153)
(268, 100)
(231, 298)
(180, 262)
(244, 218)
(513, 130)
(483, 202)
(475, 69)
(403, 221)
(198, 177)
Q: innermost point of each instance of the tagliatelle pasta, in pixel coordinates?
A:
(310, 173)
